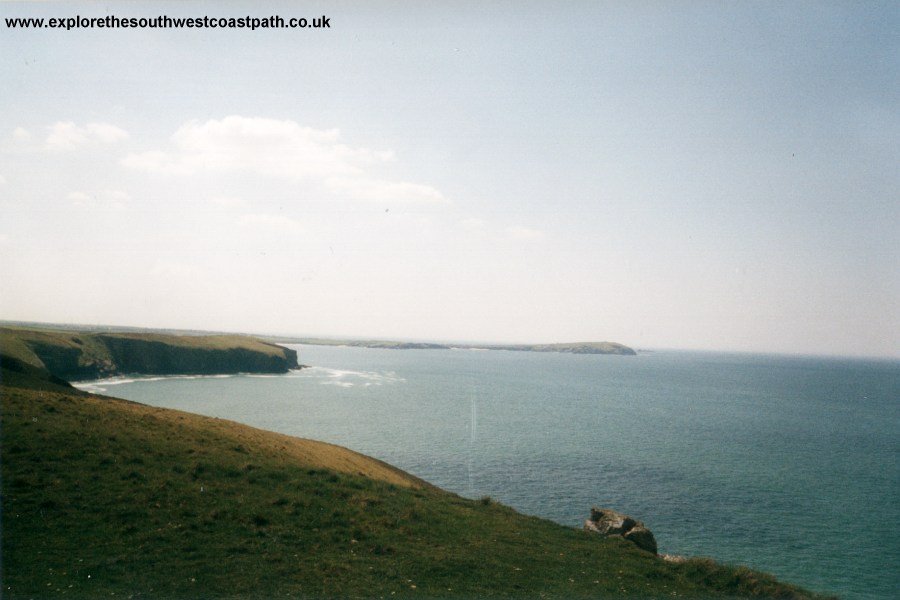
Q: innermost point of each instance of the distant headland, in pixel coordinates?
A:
(569, 348)
(97, 358)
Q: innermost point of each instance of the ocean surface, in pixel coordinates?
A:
(790, 465)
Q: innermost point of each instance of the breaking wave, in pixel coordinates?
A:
(98, 386)
(346, 378)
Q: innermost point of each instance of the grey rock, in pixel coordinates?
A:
(608, 522)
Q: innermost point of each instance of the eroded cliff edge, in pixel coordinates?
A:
(76, 356)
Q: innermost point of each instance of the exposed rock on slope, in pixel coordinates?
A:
(608, 523)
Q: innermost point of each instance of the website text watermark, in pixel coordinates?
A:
(167, 22)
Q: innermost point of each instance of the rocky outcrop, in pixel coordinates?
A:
(609, 523)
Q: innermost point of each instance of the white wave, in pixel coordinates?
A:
(89, 387)
(344, 384)
(347, 378)
(340, 377)
(100, 385)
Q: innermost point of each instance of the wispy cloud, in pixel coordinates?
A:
(178, 271)
(376, 190)
(283, 149)
(473, 223)
(20, 134)
(106, 199)
(227, 201)
(479, 226)
(66, 135)
(270, 222)
(264, 146)
(521, 232)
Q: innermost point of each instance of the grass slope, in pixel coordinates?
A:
(107, 498)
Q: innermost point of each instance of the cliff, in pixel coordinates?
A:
(74, 355)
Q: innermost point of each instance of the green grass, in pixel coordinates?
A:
(105, 498)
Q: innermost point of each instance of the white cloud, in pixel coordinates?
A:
(117, 195)
(2, 180)
(521, 232)
(66, 135)
(154, 162)
(169, 271)
(281, 149)
(274, 223)
(109, 199)
(5, 239)
(79, 197)
(20, 134)
(474, 223)
(376, 190)
(20, 141)
(266, 146)
(105, 133)
(479, 226)
(227, 201)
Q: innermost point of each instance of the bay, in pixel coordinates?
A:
(790, 465)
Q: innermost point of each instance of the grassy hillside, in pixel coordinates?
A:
(86, 355)
(109, 498)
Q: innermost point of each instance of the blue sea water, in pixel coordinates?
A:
(790, 465)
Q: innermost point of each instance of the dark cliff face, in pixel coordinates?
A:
(15, 373)
(159, 358)
(66, 362)
(290, 357)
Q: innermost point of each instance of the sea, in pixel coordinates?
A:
(786, 464)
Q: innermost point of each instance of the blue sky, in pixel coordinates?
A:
(711, 175)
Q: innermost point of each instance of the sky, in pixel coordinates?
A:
(697, 175)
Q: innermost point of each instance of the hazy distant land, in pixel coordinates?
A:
(570, 348)
(566, 347)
